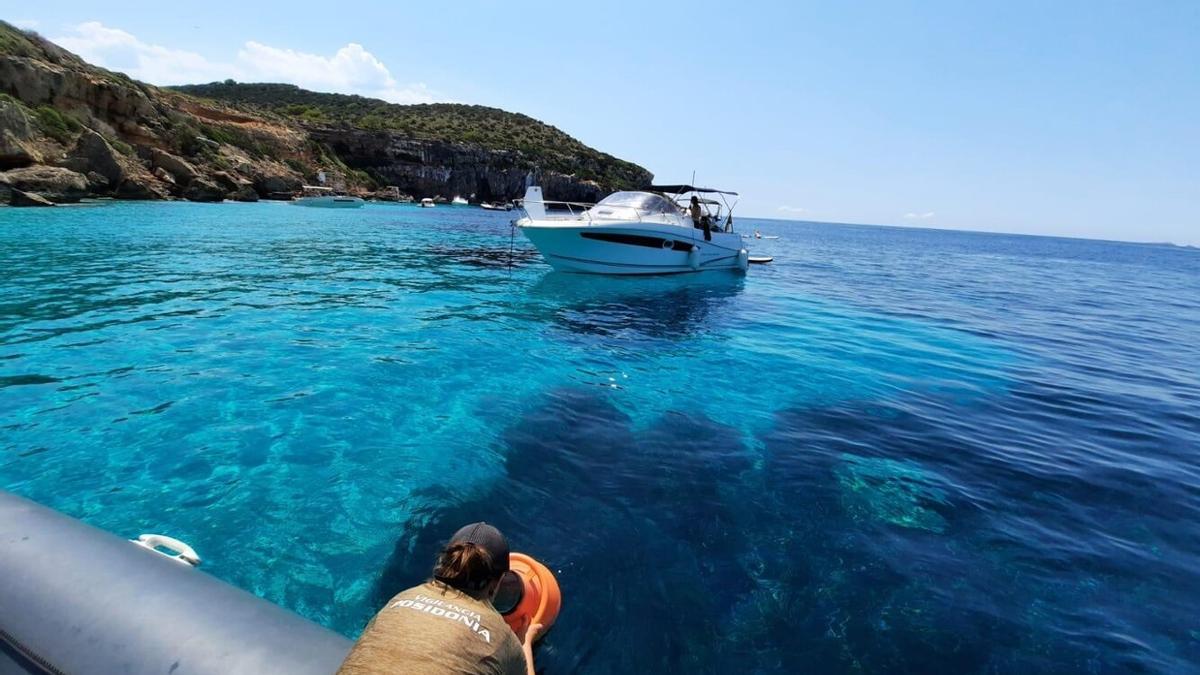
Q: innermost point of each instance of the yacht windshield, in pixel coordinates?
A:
(633, 204)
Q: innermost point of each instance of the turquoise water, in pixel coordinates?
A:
(890, 449)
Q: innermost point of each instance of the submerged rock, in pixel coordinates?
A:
(896, 492)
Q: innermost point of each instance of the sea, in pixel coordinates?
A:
(889, 450)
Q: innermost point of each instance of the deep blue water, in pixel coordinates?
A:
(891, 450)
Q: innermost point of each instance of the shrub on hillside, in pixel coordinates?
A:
(58, 125)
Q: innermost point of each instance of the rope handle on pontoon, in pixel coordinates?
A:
(182, 552)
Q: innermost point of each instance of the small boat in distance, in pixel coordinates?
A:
(496, 206)
(636, 232)
(323, 197)
(427, 203)
(458, 201)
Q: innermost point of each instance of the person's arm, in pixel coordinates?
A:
(527, 646)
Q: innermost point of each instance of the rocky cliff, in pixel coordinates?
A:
(429, 168)
(439, 148)
(70, 130)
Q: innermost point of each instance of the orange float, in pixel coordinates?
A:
(528, 594)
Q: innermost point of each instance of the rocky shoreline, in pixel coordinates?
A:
(70, 131)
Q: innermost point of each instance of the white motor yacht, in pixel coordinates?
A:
(458, 201)
(427, 203)
(636, 232)
(315, 195)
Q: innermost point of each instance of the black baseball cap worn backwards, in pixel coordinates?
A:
(486, 537)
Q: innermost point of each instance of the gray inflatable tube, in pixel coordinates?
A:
(77, 600)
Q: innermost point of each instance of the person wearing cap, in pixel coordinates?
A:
(448, 623)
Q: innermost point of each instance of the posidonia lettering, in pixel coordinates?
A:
(470, 620)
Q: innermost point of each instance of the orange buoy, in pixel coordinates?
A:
(528, 594)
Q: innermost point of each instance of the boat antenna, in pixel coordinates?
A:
(675, 197)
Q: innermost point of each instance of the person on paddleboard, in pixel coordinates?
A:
(448, 624)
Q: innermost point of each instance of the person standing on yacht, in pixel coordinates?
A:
(698, 220)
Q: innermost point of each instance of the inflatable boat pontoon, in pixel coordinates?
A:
(77, 600)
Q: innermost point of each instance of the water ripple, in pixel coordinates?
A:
(889, 451)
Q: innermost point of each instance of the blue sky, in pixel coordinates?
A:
(1062, 118)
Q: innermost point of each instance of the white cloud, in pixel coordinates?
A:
(26, 24)
(116, 49)
(351, 70)
(919, 216)
(791, 209)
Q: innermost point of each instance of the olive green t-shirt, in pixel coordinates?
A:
(433, 629)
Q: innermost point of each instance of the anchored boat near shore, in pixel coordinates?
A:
(323, 197)
(637, 232)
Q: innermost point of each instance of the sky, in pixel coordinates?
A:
(1063, 118)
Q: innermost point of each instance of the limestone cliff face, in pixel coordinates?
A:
(123, 138)
(129, 140)
(122, 108)
(432, 168)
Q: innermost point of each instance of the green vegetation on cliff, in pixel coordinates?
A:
(491, 128)
(30, 45)
(14, 41)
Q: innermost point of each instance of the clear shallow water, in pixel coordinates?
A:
(891, 449)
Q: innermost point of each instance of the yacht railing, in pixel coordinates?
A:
(585, 213)
(585, 210)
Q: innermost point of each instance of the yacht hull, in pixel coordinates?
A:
(633, 248)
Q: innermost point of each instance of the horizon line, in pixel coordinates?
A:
(995, 232)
